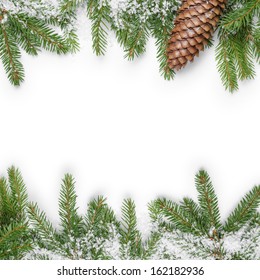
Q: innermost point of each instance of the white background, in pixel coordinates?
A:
(123, 131)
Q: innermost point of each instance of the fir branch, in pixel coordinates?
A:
(179, 231)
(130, 236)
(150, 245)
(13, 198)
(157, 216)
(161, 30)
(11, 232)
(29, 26)
(208, 200)
(135, 44)
(14, 241)
(193, 212)
(70, 220)
(133, 22)
(240, 18)
(7, 210)
(242, 52)
(95, 212)
(244, 211)
(72, 40)
(67, 15)
(23, 36)
(46, 37)
(99, 16)
(10, 56)
(129, 221)
(39, 220)
(18, 192)
(226, 64)
(154, 211)
(174, 214)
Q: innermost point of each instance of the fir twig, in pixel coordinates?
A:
(130, 236)
(244, 211)
(70, 220)
(208, 200)
(28, 26)
(10, 56)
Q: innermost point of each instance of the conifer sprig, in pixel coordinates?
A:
(238, 46)
(241, 17)
(10, 56)
(131, 240)
(179, 230)
(135, 21)
(31, 29)
(39, 220)
(175, 215)
(160, 30)
(7, 210)
(99, 16)
(203, 219)
(207, 200)
(15, 239)
(23, 26)
(18, 192)
(70, 220)
(246, 208)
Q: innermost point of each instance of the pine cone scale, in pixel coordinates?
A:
(194, 26)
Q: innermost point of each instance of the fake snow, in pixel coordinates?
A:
(119, 9)
(142, 10)
(41, 9)
(171, 245)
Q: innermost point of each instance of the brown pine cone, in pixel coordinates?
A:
(194, 26)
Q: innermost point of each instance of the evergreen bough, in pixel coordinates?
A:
(134, 21)
(187, 229)
(15, 238)
(239, 42)
(30, 25)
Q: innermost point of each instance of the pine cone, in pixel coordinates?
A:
(194, 26)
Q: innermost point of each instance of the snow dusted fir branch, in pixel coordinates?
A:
(196, 228)
(185, 230)
(134, 21)
(15, 237)
(239, 42)
(31, 25)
